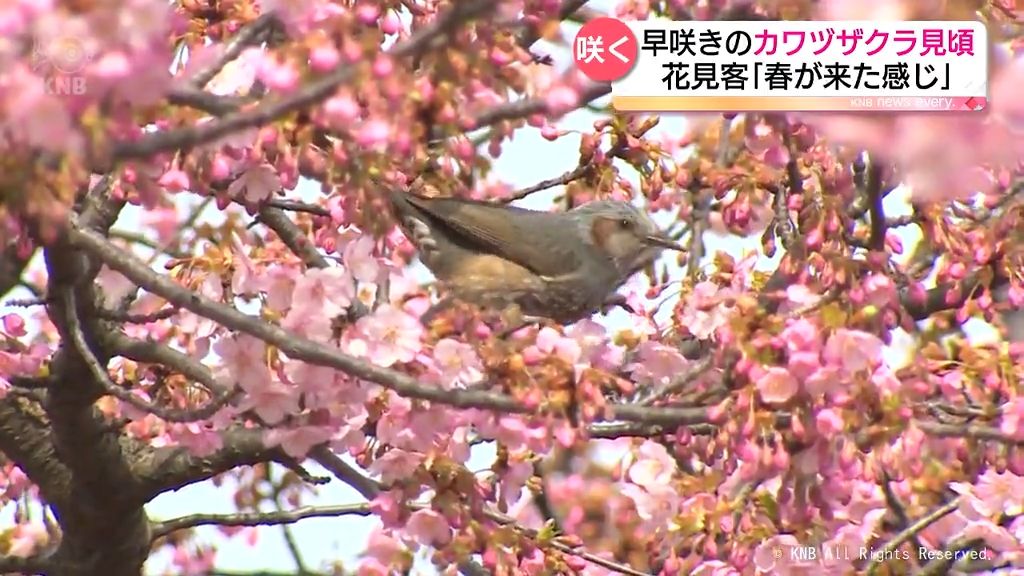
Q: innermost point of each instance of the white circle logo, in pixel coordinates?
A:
(65, 54)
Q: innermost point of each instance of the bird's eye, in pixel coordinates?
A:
(624, 223)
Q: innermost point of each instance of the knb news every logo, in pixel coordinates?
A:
(60, 61)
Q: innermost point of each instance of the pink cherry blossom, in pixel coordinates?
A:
(829, 423)
(36, 117)
(269, 398)
(383, 547)
(655, 504)
(174, 180)
(853, 350)
(341, 109)
(374, 134)
(657, 363)
(994, 493)
(993, 535)
(201, 441)
(802, 335)
(13, 325)
(360, 261)
(133, 139)
(327, 290)
(395, 465)
(715, 568)
(1012, 420)
(388, 336)
(428, 527)
(653, 467)
(458, 361)
(323, 58)
(595, 348)
(777, 385)
(277, 74)
(297, 441)
(238, 76)
(705, 310)
(243, 357)
(256, 184)
(550, 342)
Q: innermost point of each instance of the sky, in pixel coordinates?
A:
(329, 539)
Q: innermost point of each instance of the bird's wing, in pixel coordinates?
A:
(526, 237)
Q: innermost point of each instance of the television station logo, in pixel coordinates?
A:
(60, 61)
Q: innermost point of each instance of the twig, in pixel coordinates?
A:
(213, 104)
(258, 518)
(247, 36)
(903, 520)
(570, 176)
(367, 487)
(289, 537)
(942, 564)
(794, 187)
(968, 431)
(296, 206)
(313, 93)
(140, 239)
(531, 106)
(876, 209)
(910, 532)
(680, 382)
(26, 302)
(193, 217)
(99, 373)
(118, 316)
(564, 548)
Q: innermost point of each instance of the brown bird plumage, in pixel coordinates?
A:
(562, 266)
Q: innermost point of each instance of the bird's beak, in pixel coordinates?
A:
(664, 241)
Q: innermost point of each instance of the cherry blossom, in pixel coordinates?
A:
(388, 336)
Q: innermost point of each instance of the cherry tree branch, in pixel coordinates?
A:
(319, 354)
(876, 207)
(367, 487)
(309, 95)
(276, 219)
(581, 171)
(910, 532)
(103, 523)
(565, 548)
(26, 440)
(971, 431)
(249, 35)
(259, 518)
(170, 468)
(100, 375)
(296, 206)
(530, 106)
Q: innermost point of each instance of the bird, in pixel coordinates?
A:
(560, 266)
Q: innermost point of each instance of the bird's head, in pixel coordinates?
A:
(624, 233)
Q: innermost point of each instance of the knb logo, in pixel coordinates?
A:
(60, 60)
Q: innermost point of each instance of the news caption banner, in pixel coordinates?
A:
(836, 66)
